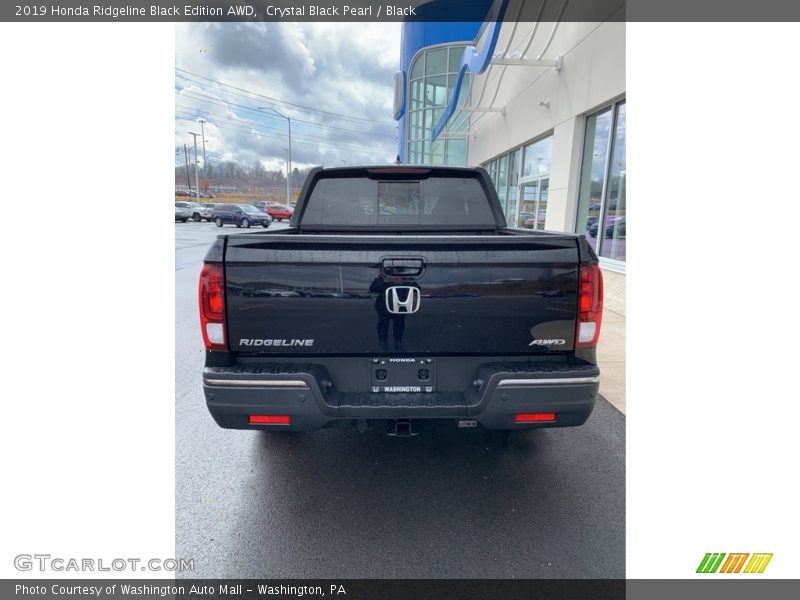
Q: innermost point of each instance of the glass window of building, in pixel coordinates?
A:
(523, 198)
(431, 82)
(537, 158)
(510, 207)
(492, 169)
(534, 185)
(502, 179)
(601, 201)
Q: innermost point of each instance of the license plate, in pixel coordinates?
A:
(402, 375)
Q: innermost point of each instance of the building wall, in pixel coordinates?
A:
(592, 75)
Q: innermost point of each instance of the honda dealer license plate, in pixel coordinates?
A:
(402, 375)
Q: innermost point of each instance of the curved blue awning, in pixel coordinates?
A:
(475, 60)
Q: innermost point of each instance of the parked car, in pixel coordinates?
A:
(199, 211)
(182, 213)
(398, 319)
(612, 223)
(523, 218)
(181, 193)
(278, 212)
(241, 215)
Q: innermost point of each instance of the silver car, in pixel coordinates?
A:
(205, 211)
(182, 212)
(198, 212)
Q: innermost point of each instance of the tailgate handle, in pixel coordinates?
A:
(409, 267)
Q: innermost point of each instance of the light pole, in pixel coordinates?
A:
(196, 186)
(186, 156)
(203, 137)
(288, 200)
(289, 162)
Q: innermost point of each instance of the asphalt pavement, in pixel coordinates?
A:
(448, 503)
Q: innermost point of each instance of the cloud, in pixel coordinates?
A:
(343, 69)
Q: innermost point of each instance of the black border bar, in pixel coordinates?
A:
(702, 588)
(378, 10)
(344, 589)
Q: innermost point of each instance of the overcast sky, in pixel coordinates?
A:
(344, 69)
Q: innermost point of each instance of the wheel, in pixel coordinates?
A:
(184, 220)
(245, 223)
(196, 217)
(218, 222)
(279, 220)
(265, 224)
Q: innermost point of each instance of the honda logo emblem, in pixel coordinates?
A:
(402, 299)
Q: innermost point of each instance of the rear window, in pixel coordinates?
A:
(434, 201)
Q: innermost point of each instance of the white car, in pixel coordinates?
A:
(182, 213)
(199, 212)
(205, 211)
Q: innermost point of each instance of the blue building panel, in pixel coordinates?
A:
(418, 35)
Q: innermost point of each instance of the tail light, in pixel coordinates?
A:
(590, 306)
(535, 418)
(270, 420)
(212, 306)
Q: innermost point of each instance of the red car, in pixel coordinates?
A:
(279, 212)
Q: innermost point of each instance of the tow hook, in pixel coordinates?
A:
(402, 428)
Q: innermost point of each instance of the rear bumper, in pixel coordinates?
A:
(233, 394)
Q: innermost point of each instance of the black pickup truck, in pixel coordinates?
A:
(398, 293)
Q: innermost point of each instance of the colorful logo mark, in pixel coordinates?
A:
(712, 562)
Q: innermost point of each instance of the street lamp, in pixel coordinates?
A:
(196, 184)
(289, 162)
(288, 200)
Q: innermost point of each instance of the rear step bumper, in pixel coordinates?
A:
(234, 394)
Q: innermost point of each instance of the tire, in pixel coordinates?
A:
(265, 224)
(196, 217)
(218, 222)
(184, 220)
(246, 224)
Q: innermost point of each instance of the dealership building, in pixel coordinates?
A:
(541, 106)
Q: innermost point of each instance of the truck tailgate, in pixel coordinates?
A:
(349, 295)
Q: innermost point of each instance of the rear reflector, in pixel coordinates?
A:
(211, 297)
(590, 306)
(534, 417)
(270, 419)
